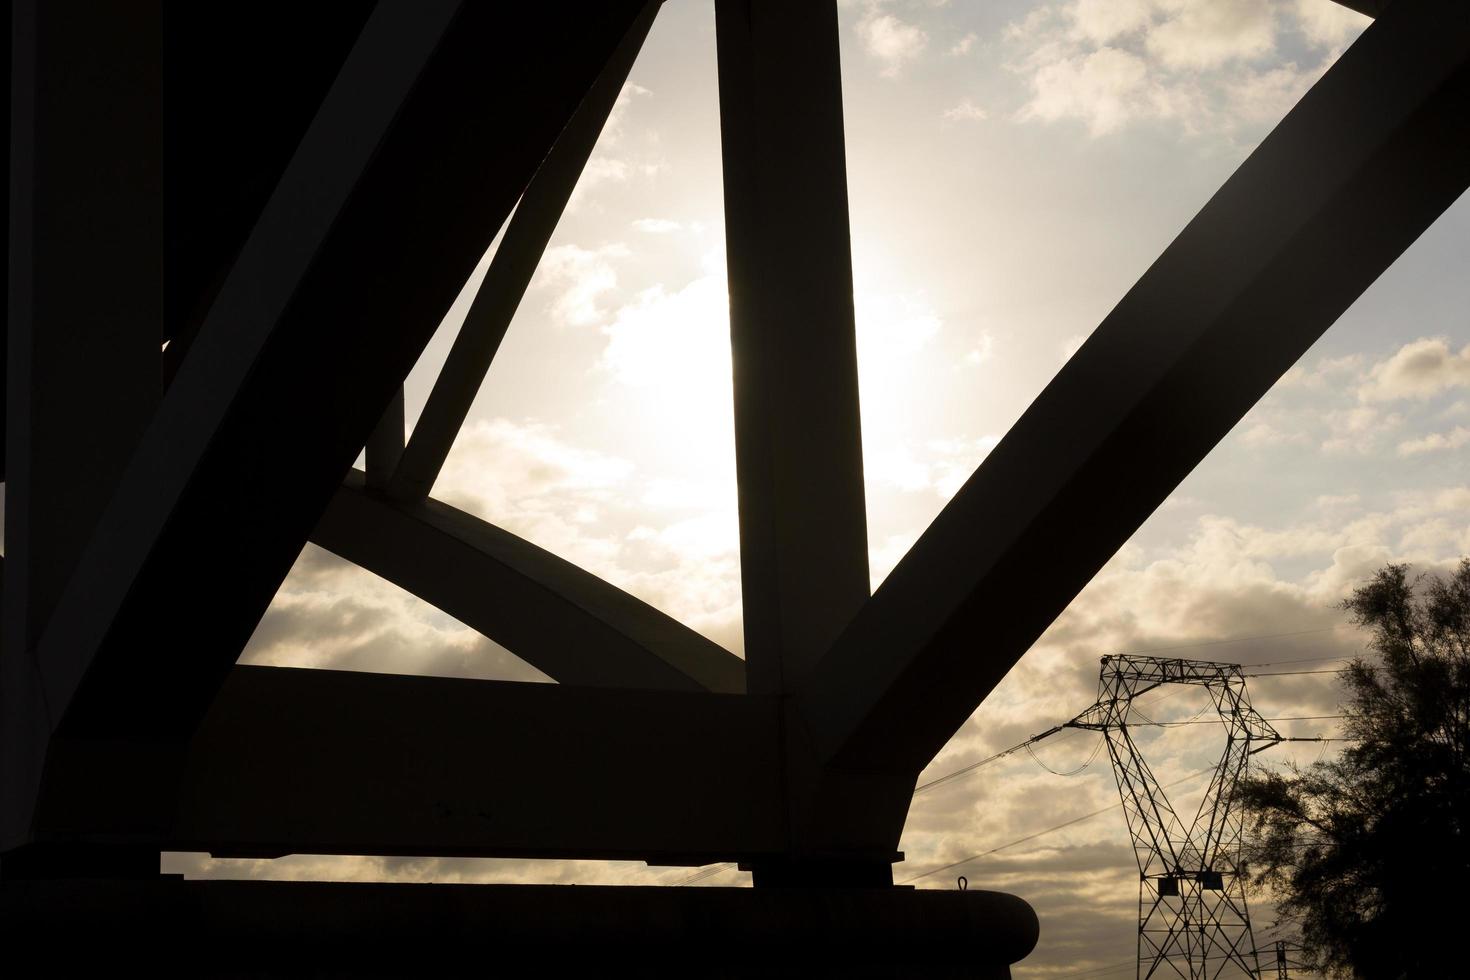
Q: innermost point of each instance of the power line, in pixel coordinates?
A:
(1212, 721)
(1095, 972)
(1289, 673)
(1048, 830)
(925, 787)
(1303, 660)
(989, 760)
(1096, 749)
(704, 873)
(710, 872)
(1237, 639)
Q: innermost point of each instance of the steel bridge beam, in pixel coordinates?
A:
(86, 206)
(510, 272)
(566, 622)
(338, 762)
(798, 445)
(381, 215)
(1355, 172)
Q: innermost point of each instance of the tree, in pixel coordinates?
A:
(1368, 853)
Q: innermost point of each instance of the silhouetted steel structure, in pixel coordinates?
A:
(1193, 920)
(290, 196)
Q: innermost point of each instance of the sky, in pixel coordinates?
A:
(1013, 167)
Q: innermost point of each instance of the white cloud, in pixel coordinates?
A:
(1204, 65)
(1419, 370)
(1209, 33)
(963, 46)
(891, 41)
(1104, 89)
(657, 226)
(331, 614)
(1328, 24)
(965, 111)
(1357, 429)
(1101, 21)
(1264, 434)
(956, 460)
(1264, 97)
(611, 160)
(882, 558)
(1353, 406)
(579, 277)
(981, 352)
(671, 547)
(678, 342)
(1436, 442)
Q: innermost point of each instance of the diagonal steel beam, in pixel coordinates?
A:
(1370, 8)
(1349, 179)
(385, 445)
(564, 621)
(378, 218)
(510, 273)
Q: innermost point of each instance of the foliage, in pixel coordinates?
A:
(1368, 852)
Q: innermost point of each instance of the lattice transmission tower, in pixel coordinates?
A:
(1193, 921)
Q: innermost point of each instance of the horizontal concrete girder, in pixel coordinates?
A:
(566, 622)
(418, 929)
(1350, 178)
(336, 762)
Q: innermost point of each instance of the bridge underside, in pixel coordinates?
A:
(289, 240)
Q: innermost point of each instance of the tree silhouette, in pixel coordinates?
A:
(1363, 850)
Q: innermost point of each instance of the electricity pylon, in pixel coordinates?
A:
(1192, 916)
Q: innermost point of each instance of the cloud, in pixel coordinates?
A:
(894, 43)
(1104, 89)
(1328, 24)
(1418, 370)
(1357, 429)
(612, 129)
(1356, 406)
(1100, 21)
(1261, 98)
(331, 614)
(657, 226)
(963, 46)
(612, 160)
(938, 466)
(674, 547)
(677, 341)
(1204, 65)
(1265, 434)
(579, 277)
(1436, 442)
(981, 352)
(1210, 33)
(1072, 345)
(965, 111)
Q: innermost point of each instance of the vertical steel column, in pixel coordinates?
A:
(85, 320)
(798, 445)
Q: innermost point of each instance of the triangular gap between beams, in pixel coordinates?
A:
(332, 614)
